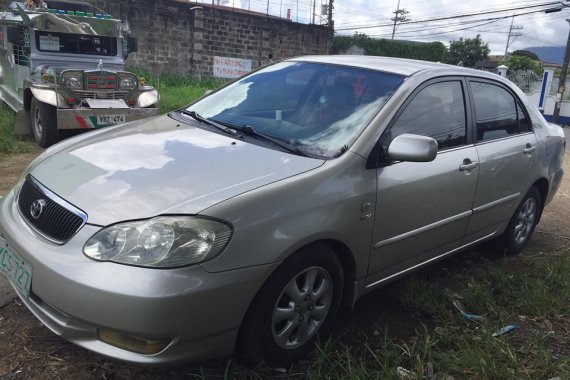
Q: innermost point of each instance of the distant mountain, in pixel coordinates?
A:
(552, 54)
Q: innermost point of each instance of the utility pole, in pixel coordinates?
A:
(399, 16)
(330, 20)
(511, 34)
(562, 82)
(314, 5)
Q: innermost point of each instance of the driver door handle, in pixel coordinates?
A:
(468, 165)
(529, 149)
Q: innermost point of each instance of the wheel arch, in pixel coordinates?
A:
(348, 264)
(347, 261)
(542, 187)
(28, 99)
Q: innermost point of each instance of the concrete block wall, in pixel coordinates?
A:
(176, 40)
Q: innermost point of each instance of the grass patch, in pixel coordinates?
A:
(174, 97)
(530, 292)
(177, 91)
(9, 143)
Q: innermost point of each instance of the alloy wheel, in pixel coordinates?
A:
(525, 220)
(302, 308)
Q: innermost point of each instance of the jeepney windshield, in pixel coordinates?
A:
(76, 35)
(76, 43)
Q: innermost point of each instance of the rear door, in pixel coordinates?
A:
(423, 207)
(506, 146)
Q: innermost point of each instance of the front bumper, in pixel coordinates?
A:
(86, 118)
(74, 296)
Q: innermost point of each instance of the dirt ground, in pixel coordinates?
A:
(29, 350)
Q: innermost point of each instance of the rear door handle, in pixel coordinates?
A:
(529, 149)
(468, 165)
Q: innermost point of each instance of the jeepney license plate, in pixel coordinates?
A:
(111, 119)
(18, 271)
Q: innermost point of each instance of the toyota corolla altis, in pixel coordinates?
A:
(244, 221)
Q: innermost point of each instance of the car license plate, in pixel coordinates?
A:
(111, 119)
(18, 271)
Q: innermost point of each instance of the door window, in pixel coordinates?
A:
(437, 111)
(497, 111)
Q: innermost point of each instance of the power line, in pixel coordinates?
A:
(439, 27)
(485, 22)
(449, 31)
(459, 16)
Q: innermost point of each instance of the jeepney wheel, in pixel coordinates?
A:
(44, 123)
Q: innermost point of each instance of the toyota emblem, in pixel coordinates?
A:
(37, 208)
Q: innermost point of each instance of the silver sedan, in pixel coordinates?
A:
(243, 222)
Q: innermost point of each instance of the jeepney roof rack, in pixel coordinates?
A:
(76, 6)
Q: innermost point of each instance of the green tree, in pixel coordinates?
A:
(432, 51)
(526, 53)
(520, 63)
(467, 51)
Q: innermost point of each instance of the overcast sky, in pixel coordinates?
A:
(539, 29)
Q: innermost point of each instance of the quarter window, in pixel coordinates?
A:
(524, 123)
(498, 113)
(437, 111)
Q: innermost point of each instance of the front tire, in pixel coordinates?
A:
(44, 123)
(522, 224)
(295, 307)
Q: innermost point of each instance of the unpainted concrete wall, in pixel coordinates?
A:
(174, 39)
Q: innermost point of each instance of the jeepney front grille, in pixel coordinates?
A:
(82, 94)
(102, 80)
(56, 220)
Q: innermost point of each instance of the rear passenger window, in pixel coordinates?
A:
(437, 111)
(498, 113)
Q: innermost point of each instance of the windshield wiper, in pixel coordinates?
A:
(250, 131)
(218, 126)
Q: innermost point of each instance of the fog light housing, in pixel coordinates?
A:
(132, 343)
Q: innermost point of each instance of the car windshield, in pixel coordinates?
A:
(319, 108)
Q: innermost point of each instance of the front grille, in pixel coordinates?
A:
(57, 221)
(82, 94)
(101, 80)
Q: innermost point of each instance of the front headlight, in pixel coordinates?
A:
(162, 242)
(127, 82)
(72, 80)
(147, 99)
(73, 83)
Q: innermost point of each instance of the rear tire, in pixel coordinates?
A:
(295, 307)
(44, 123)
(522, 224)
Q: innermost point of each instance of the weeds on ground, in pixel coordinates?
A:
(532, 293)
(177, 91)
(9, 143)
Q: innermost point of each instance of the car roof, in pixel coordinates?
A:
(400, 66)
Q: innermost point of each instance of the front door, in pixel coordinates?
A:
(423, 208)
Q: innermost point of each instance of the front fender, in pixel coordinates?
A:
(49, 96)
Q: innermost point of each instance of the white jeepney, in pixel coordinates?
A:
(62, 67)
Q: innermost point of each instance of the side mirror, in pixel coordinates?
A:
(414, 148)
(132, 45)
(13, 35)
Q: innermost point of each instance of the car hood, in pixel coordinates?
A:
(159, 166)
